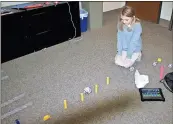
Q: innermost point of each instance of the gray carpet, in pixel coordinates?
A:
(62, 71)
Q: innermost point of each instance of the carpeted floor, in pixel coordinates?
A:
(62, 71)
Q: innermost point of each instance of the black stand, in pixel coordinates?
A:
(26, 31)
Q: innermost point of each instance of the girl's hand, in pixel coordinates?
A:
(129, 56)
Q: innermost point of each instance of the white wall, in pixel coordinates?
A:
(107, 6)
(80, 5)
(166, 10)
(3, 4)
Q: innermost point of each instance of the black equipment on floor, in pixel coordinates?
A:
(168, 81)
(151, 94)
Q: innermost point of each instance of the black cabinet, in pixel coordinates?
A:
(15, 41)
(24, 32)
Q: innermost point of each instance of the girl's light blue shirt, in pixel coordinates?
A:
(129, 41)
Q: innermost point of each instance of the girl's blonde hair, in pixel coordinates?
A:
(128, 12)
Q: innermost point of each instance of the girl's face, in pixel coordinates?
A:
(126, 20)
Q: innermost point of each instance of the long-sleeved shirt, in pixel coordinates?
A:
(129, 41)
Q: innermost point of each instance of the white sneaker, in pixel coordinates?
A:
(139, 57)
(118, 60)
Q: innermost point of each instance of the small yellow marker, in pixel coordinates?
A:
(159, 59)
(46, 117)
(96, 88)
(82, 97)
(107, 80)
(65, 104)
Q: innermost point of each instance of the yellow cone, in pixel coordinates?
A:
(96, 88)
(46, 117)
(65, 104)
(159, 59)
(82, 97)
(107, 80)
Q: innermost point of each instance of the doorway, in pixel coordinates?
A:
(148, 11)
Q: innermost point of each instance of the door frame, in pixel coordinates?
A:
(160, 8)
(171, 22)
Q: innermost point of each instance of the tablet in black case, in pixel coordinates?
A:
(151, 94)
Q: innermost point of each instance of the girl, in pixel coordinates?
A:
(129, 42)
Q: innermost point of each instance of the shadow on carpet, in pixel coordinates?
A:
(106, 109)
